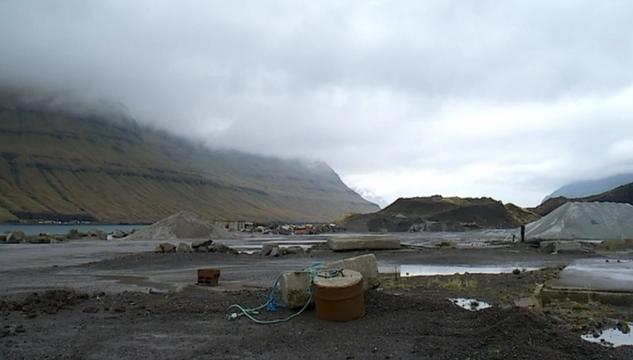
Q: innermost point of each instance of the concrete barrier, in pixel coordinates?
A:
(562, 246)
(294, 284)
(366, 264)
(293, 288)
(267, 248)
(363, 243)
(608, 281)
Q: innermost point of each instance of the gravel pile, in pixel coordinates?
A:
(585, 221)
(182, 225)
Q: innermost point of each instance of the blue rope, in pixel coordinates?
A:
(271, 304)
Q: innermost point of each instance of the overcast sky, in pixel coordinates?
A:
(508, 99)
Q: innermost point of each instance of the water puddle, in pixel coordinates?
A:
(430, 270)
(470, 304)
(140, 281)
(253, 248)
(612, 337)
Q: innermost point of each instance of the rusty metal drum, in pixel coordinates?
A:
(341, 297)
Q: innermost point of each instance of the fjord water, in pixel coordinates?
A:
(55, 229)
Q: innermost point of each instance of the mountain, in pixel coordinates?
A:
(549, 205)
(440, 213)
(66, 163)
(585, 188)
(371, 197)
(621, 194)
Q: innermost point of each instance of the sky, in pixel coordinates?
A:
(508, 99)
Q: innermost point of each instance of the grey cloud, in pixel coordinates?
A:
(363, 85)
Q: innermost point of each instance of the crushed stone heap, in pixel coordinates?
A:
(182, 225)
(584, 221)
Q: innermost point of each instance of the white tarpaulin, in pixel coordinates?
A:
(584, 221)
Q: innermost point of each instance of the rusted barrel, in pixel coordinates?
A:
(339, 298)
(208, 276)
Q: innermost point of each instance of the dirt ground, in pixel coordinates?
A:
(406, 317)
(192, 325)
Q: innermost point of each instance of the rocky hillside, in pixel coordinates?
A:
(621, 194)
(59, 164)
(437, 213)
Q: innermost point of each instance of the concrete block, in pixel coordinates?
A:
(267, 248)
(165, 248)
(561, 246)
(15, 237)
(363, 243)
(367, 265)
(293, 288)
(294, 285)
(183, 248)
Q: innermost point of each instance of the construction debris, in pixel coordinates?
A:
(363, 243)
(165, 248)
(183, 248)
(566, 246)
(293, 284)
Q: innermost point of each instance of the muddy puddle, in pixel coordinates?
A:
(140, 281)
(470, 304)
(432, 270)
(253, 248)
(612, 337)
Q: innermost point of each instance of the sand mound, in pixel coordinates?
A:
(585, 221)
(182, 225)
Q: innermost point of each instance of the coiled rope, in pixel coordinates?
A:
(271, 303)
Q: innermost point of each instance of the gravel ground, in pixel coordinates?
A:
(88, 315)
(192, 324)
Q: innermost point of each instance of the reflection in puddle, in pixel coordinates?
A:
(612, 337)
(470, 304)
(430, 270)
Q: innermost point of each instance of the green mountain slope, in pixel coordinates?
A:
(58, 164)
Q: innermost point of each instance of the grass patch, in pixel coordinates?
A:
(446, 244)
(459, 284)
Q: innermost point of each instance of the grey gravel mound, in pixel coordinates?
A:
(182, 225)
(585, 221)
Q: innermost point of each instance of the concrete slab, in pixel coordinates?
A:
(363, 243)
(604, 280)
(562, 246)
(597, 275)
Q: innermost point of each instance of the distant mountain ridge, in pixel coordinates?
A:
(621, 194)
(61, 164)
(579, 189)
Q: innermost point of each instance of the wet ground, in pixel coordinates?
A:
(32, 270)
(110, 313)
